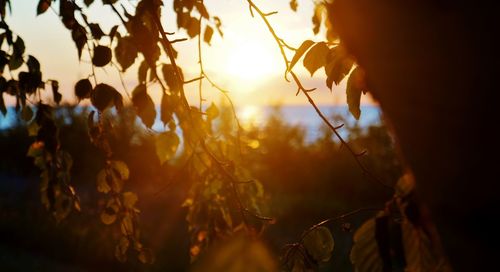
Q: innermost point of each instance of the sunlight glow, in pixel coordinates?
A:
(250, 116)
(251, 62)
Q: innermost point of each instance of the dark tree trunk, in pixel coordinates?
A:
(433, 66)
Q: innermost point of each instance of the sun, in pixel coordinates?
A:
(252, 62)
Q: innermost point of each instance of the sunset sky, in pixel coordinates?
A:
(246, 61)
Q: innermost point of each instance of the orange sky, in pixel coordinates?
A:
(246, 61)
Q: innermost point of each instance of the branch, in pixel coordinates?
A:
(340, 217)
(282, 45)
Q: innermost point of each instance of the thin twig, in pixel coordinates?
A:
(340, 217)
(281, 45)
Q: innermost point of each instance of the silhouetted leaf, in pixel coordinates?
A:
(96, 31)
(121, 249)
(167, 108)
(144, 105)
(102, 56)
(113, 32)
(33, 64)
(218, 25)
(421, 254)
(319, 244)
(103, 96)
(16, 59)
(67, 12)
(127, 226)
(193, 28)
(300, 51)
(129, 199)
(109, 2)
(212, 112)
(338, 65)
(26, 113)
(170, 77)
(88, 2)
(364, 253)
(3, 109)
(317, 17)
(125, 52)
(109, 215)
(142, 72)
(202, 9)
(120, 168)
(146, 256)
(3, 60)
(293, 5)
(355, 85)
(79, 36)
(207, 36)
(102, 182)
(316, 57)
(83, 88)
(166, 145)
(43, 5)
(55, 91)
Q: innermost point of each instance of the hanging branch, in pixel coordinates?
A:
(167, 47)
(282, 45)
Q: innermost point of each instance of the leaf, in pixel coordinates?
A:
(338, 65)
(166, 145)
(3, 109)
(43, 5)
(193, 28)
(218, 25)
(113, 32)
(142, 72)
(355, 85)
(26, 113)
(316, 57)
(102, 182)
(166, 109)
(109, 215)
(33, 64)
(317, 17)
(202, 9)
(79, 36)
(127, 226)
(16, 60)
(88, 2)
(212, 112)
(102, 56)
(129, 199)
(364, 253)
(35, 149)
(293, 5)
(83, 88)
(109, 2)
(96, 31)
(420, 254)
(125, 52)
(121, 168)
(146, 256)
(173, 83)
(121, 249)
(55, 91)
(319, 244)
(103, 96)
(300, 51)
(144, 105)
(207, 36)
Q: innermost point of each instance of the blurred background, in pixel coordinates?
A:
(307, 177)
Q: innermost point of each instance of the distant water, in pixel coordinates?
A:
(302, 115)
